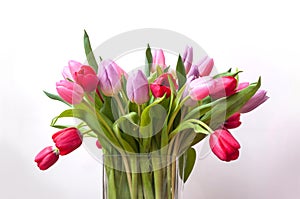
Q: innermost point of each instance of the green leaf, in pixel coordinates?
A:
(180, 71)
(89, 52)
(148, 63)
(56, 97)
(223, 108)
(186, 163)
(228, 73)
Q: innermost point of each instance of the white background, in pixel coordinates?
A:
(37, 39)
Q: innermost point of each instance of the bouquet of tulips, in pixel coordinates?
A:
(147, 120)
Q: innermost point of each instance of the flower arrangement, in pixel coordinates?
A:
(155, 115)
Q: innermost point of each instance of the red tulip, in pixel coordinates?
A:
(161, 85)
(46, 157)
(224, 86)
(69, 91)
(99, 146)
(233, 121)
(224, 145)
(67, 140)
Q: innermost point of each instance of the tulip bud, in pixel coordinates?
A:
(110, 75)
(224, 86)
(99, 146)
(257, 99)
(138, 88)
(69, 71)
(161, 85)
(87, 78)
(224, 145)
(70, 91)
(205, 66)
(200, 87)
(241, 86)
(158, 59)
(233, 121)
(67, 140)
(46, 157)
(187, 58)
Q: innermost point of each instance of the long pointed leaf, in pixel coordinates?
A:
(89, 52)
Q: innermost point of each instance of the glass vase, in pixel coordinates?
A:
(142, 177)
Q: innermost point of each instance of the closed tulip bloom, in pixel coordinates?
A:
(99, 146)
(257, 99)
(224, 86)
(241, 86)
(137, 88)
(87, 78)
(199, 88)
(205, 66)
(110, 75)
(224, 145)
(70, 70)
(187, 58)
(70, 91)
(67, 140)
(46, 157)
(161, 85)
(158, 59)
(233, 121)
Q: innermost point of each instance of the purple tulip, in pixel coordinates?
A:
(187, 58)
(205, 66)
(158, 59)
(70, 91)
(256, 100)
(110, 75)
(138, 88)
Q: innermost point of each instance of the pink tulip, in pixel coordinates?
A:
(99, 146)
(87, 78)
(224, 145)
(187, 58)
(205, 66)
(46, 157)
(233, 121)
(70, 70)
(158, 59)
(223, 86)
(67, 140)
(69, 91)
(161, 85)
(110, 75)
(138, 88)
(241, 86)
(259, 97)
(200, 88)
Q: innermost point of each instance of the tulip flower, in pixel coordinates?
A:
(187, 58)
(223, 86)
(241, 86)
(224, 145)
(87, 78)
(67, 140)
(257, 99)
(158, 59)
(233, 121)
(70, 91)
(137, 88)
(46, 157)
(161, 85)
(99, 146)
(110, 75)
(70, 70)
(205, 66)
(200, 87)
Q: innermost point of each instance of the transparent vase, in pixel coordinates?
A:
(142, 176)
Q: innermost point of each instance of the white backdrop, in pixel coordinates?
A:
(37, 38)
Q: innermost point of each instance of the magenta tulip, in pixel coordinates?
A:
(161, 85)
(70, 91)
(224, 145)
(199, 88)
(137, 88)
(99, 146)
(158, 59)
(233, 121)
(87, 78)
(110, 75)
(46, 157)
(259, 97)
(223, 86)
(187, 58)
(67, 140)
